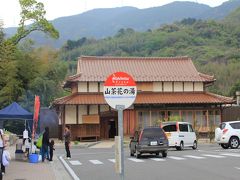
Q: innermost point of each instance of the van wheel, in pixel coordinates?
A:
(225, 146)
(138, 154)
(194, 145)
(181, 147)
(164, 154)
(234, 142)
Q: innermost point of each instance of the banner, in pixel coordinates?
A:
(36, 115)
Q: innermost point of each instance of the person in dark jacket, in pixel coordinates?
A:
(67, 138)
(45, 143)
(51, 148)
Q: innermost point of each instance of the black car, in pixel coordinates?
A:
(149, 140)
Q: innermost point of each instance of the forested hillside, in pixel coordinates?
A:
(101, 23)
(213, 46)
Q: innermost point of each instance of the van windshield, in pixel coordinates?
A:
(170, 128)
(152, 132)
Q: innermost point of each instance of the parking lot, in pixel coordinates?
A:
(207, 162)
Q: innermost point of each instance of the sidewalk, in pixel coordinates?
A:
(23, 170)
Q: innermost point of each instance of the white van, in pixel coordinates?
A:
(180, 135)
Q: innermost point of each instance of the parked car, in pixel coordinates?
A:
(149, 140)
(228, 134)
(180, 134)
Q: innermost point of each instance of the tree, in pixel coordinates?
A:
(33, 11)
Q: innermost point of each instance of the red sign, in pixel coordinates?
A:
(120, 89)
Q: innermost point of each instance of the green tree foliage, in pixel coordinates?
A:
(25, 71)
(33, 11)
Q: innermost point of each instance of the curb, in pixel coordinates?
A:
(70, 171)
(77, 146)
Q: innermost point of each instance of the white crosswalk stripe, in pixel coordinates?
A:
(231, 154)
(75, 163)
(214, 156)
(96, 162)
(176, 158)
(112, 160)
(194, 157)
(157, 159)
(135, 160)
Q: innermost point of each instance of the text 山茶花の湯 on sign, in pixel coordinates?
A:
(120, 89)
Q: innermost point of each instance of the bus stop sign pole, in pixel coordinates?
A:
(120, 109)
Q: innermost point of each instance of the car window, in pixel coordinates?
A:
(222, 126)
(235, 125)
(152, 132)
(190, 128)
(170, 128)
(183, 127)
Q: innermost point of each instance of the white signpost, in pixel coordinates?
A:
(120, 92)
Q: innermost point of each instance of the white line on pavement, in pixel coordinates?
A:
(70, 171)
(211, 155)
(231, 154)
(176, 158)
(238, 168)
(112, 160)
(135, 160)
(157, 159)
(194, 157)
(97, 162)
(75, 163)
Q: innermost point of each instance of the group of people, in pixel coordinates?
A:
(46, 144)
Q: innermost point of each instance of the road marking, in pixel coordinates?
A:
(231, 154)
(96, 162)
(112, 160)
(75, 163)
(157, 159)
(211, 155)
(194, 157)
(238, 168)
(176, 158)
(70, 171)
(135, 160)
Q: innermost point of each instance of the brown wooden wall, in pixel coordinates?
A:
(129, 121)
(83, 130)
(231, 113)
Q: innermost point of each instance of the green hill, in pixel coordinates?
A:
(100, 23)
(214, 47)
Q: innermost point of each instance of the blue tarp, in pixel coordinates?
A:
(15, 111)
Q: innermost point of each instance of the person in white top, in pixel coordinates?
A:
(25, 135)
(2, 144)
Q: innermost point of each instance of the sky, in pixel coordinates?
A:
(10, 9)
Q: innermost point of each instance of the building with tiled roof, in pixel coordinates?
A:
(169, 88)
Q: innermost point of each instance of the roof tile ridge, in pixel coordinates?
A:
(131, 57)
(73, 76)
(220, 96)
(210, 77)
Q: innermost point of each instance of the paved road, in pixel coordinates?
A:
(209, 162)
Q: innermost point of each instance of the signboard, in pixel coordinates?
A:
(120, 89)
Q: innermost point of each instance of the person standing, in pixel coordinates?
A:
(45, 143)
(2, 144)
(25, 135)
(67, 138)
(51, 148)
